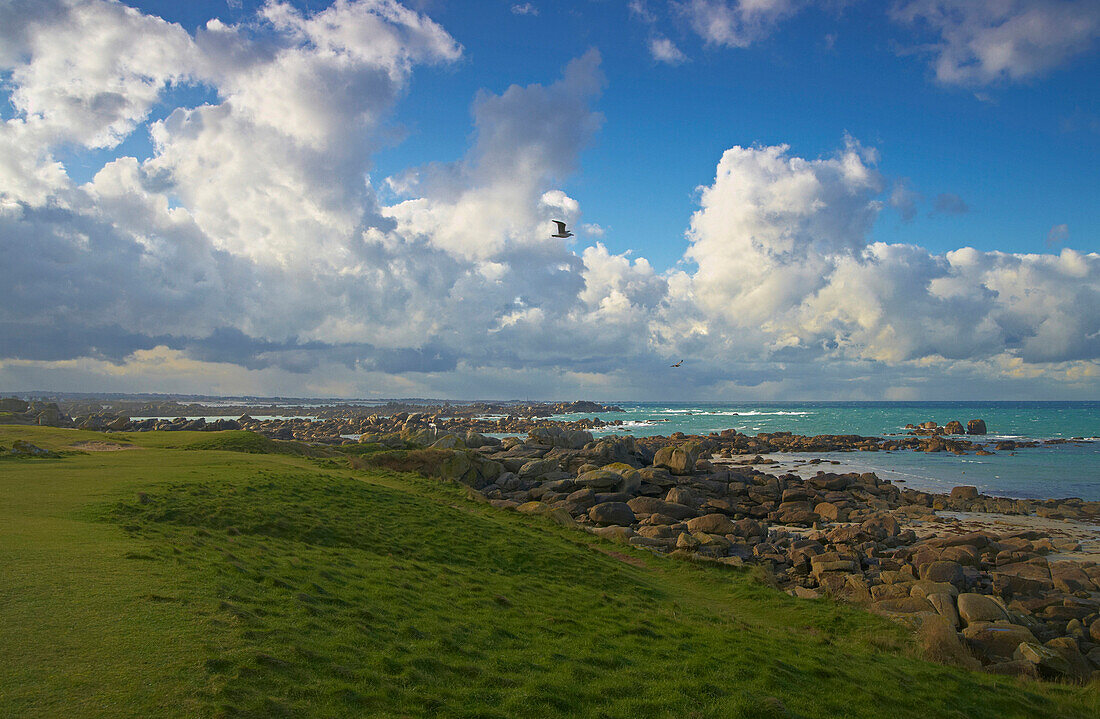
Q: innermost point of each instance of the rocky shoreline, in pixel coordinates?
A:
(1000, 597)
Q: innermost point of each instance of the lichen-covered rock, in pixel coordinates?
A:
(678, 460)
(543, 509)
(448, 441)
(614, 533)
(598, 480)
(23, 447)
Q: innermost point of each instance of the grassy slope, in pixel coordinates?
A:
(165, 582)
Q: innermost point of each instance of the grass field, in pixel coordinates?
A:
(202, 574)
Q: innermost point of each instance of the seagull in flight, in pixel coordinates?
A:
(677, 364)
(562, 232)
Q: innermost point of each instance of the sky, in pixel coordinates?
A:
(803, 199)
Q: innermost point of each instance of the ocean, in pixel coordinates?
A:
(1055, 471)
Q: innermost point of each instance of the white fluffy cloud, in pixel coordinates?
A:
(250, 249)
(985, 41)
(664, 50)
(772, 226)
(782, 245)
(737, 23)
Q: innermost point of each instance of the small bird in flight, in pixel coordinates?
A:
(677, 364)
(562, 232)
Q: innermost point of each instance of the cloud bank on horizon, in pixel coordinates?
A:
(252, 251)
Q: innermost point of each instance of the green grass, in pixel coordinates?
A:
(164, 581)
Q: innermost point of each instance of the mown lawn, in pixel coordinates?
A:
(203, 575)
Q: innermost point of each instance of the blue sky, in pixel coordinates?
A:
(246, 243)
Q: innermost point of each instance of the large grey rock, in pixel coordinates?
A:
(678, 460)
(538, 468)
(682, 495)
(979, 608)
(1067, 647)
(954, 427)
(831, 512)
(944, 571)
(598, 480)
(996, 640)
(652, 505)
(965, 491)
(1030, 577)
(13, 404)
(711, 524)
(23, 447)
(748, 528)
(611, 513)
(1048, 662)
(560, 437)
(945, 607)
(448, 441)
(926, 587)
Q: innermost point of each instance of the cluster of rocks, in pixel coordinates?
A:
(730, 442)
(989, 599)
(414, 421)
(332, 424)
(17, 411)
(974, 426)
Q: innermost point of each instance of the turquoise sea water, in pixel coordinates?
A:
(1071, 470)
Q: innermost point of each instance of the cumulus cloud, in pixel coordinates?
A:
(985, 41)
(771, 226)
(785, 261)
(736, 23)
(904, 199)
(664, 50)
(524, 9)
